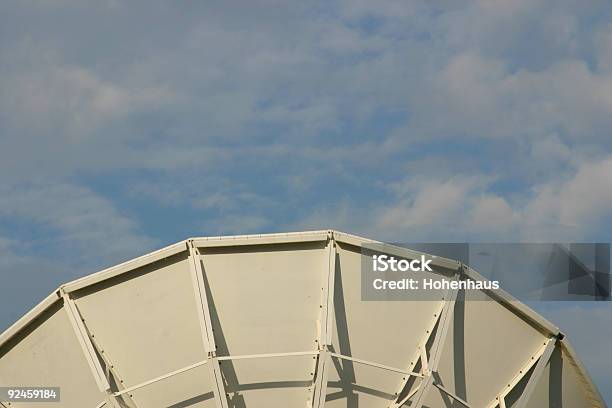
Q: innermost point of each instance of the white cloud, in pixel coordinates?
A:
(69, 101)
(491, 212)
(579, 203)
(433, 203)
(222, 77)
(82, 227)
(481, 97)
(602, 40)
(467, 208)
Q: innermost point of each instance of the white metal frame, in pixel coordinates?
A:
(323, 354)
(430, 366)
(420, 354)
(208, 337)
(91, 352)
(537, 373)
(542, 356)
(326, 325)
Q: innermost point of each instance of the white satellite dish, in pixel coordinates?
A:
(277, 320)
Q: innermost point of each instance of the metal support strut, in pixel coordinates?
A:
(208, 338)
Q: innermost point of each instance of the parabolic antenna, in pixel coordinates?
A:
(277, 320)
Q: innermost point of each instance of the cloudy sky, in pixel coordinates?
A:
(126, 127)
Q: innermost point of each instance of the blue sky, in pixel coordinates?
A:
(125, 127)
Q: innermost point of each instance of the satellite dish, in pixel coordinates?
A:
(278, 321)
